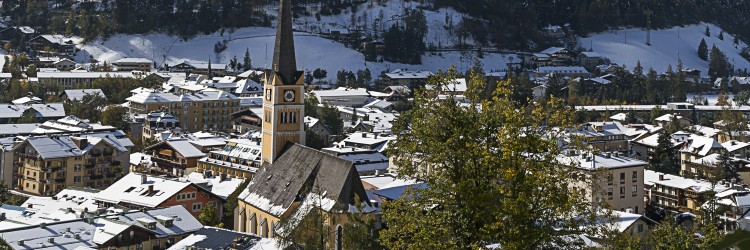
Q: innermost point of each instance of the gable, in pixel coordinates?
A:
(298, 172)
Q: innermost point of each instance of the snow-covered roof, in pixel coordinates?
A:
(27, 100)
(405, 74)
(133, 60)
(185, 148)
(219, 238)
(78, 94)
(84, 75)
(161, 97)
(733, 145)
(222, 188)
(130, 189)
(562, 70)
(600, 161)
(701, 145)
(619, 117)
(341, 91)
(590, 54)
(652, 177)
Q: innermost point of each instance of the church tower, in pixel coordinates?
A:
(283, 100)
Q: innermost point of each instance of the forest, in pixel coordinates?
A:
(502, 24)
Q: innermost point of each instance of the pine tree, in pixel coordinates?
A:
(703, 50)
(664, 159)
(246, 62)
(721, 35)
(718, 64)
(708, 32)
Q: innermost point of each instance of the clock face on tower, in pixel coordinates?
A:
(289, 95)
(268, 94)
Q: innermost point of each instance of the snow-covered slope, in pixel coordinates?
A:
(628, 46)
(312, 52)
(373, 18)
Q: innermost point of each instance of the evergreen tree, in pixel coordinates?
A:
(718, 64)
(331, 118)
(313, 140)
(708, 31)
(721, 35)
(728, 168)
(665, 159)
(703, 50)
(246, 62)
(115, 115)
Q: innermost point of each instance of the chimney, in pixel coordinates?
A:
(30, 206)
(51, 240)
(144, 177)
(2, 216)
(364, 135)
(150, 189)
(222, 177)
(661, 177)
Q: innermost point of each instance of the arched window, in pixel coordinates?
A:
(253, 224)
(339, 232)
(264, 229)
(243, 221)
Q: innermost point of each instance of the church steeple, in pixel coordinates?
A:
(284, 93)
(284, 61)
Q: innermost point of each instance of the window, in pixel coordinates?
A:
(609, 193)
(635, 190)
(622, 178)
(636, 209)
(635, 176)
(609, 179)
(640, 226)
(197, 207)
(622, 192)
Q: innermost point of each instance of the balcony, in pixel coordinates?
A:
(165, 163)
(89, 166)
(60, 180)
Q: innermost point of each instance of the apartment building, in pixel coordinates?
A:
(48, 164)
(205, 110)
(677, 194)
(603, 136)
(240, 158)
(609, 177)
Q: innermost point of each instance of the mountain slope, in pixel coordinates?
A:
(627, 47)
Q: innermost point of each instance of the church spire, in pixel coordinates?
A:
(284, 61)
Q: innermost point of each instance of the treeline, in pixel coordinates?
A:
(184, 18)
(512, 24)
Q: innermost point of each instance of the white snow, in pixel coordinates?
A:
(312, 52)
(368, 18)
(187, 242)
(667, 46)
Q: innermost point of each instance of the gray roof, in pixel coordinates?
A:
(100, 232)
(78, 94)
(51, 147)
(300, 171)
(161, 97)
(185, 148)
(219, 238)
(49, 110)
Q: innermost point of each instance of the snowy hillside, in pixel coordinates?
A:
(628, 46)
(312, 52)
(374, 18)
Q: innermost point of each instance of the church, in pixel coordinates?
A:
(294, 179)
